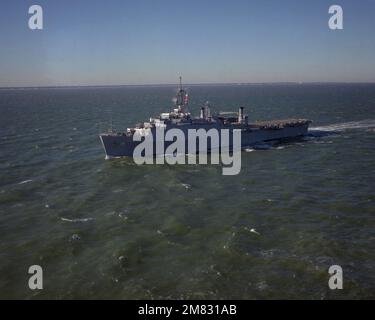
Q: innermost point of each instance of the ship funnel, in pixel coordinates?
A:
(240, 115)
(207, 111)
(202, 116)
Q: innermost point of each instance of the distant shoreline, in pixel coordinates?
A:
(187, 84)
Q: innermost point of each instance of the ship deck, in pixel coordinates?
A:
(279, 124)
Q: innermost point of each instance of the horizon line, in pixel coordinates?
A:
(186, 84)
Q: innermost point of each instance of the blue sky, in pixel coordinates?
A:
(117, 42)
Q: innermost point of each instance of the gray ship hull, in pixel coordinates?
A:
(122, 144)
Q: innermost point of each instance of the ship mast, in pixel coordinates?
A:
(182, 98)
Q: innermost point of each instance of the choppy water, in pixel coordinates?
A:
(111, 229)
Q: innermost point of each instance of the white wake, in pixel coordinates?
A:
(363, 124)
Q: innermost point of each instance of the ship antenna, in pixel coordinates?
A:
(182, 98)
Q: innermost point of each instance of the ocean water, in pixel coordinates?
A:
(112, 229)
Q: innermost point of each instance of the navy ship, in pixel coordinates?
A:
(122, 144)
